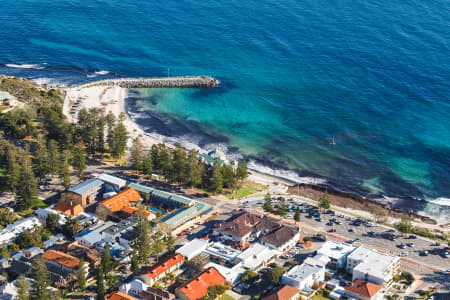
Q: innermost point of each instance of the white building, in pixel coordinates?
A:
(134, 288)
(256, 256)
(232, 274)
(193, 248)
(222, 254)
(337, 252)
(43, 213)
(305, 275)
(9, 234)
(372, 266)
(112, 180)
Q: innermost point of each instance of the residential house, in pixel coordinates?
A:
(69, 209)
(161, 269)
(143, 213)
(85, 193)
(118, 202)
(337, 252)
(62, 267)
(12, 231)
(117, 295)
(88, 238)
(20, 266)
(372, 266)
(256, 256)
(238, 227)
(286, 292)
(282, 238)
(305, 275)
(157, 294)
(198, 286)
(134, 288)
(43, 213)
(222, 254)
(364, 290)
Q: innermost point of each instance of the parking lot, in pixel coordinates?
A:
(370, 234)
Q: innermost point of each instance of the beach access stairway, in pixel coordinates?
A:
(158, 82)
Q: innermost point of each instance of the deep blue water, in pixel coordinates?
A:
(372, 75)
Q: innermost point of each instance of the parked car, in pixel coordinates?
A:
(405, 253)
(351, 230)
(412, 237)
(332, 230)
(410, 244)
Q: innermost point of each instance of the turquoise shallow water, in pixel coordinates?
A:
(371, 75)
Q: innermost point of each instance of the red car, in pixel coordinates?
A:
(332, 230)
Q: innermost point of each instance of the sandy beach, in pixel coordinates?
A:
(112, 98)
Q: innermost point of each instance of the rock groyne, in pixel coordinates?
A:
(159, 82)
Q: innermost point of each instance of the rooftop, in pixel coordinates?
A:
(62, 258)
(163, 266)
(222, 251)
(121, 200)
(364, 288)
(197, 287)
(193, 246)
(286, 292)
(372, 262)
(162, 194)
(256, 255)
(112, 179)
(68, 209)
(119, 296)
(86, 186)
(335, 250)
(280, 236)
(303, 271)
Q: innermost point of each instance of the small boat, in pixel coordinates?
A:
(332, 143)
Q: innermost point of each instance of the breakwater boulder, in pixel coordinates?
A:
(159, 82)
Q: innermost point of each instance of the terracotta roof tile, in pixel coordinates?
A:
(163, 266)
(197, 287)
(119, 296)
(284, 293)
(68, 209)
(364, 288)
(121, 200)
(62, 258)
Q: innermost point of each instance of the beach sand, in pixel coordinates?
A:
(113, 99)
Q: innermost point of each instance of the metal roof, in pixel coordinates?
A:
(112, 179)
(165, 195)
(86, 186)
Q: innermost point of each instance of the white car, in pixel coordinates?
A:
(404, 253)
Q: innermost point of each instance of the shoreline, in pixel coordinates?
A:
(112, 98)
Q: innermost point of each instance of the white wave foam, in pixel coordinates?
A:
(49, 81)
(441, 201)
(25, 66)
(102, 72)
(91, 76)
(286, 174)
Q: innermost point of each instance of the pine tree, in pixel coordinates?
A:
(282, 208)
(297, 215)
(241, 171)
(27, 191)
(147, 165)
(23, 288)
(268, 203)
(142, 242)
(216, 178)
(194, 169)
(136, 157)
(180, 165)
(41, 159)
(170, 243)
(324, 202)
(100, 284)
(81, 276)
(229, 178)
(106, 260)
(13, 172)
(63, 169)
(110, 125)
(100, 147)
(53, 156)
(157, 245)
(134, 262)
(41, 276)
(79, 161)
(120, 138)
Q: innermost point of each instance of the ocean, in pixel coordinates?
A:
(371, 76)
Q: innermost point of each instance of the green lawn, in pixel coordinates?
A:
(41, 203)
(225, 297)
(318, 297)
(241, 193)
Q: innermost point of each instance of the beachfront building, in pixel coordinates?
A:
(337, 252)
(116, 182)
(197, 287)
(239, 227)
(161, 269)
(286, 292)
(117, 202)
(85, 193)
(282, 238)
(364, 290)
(305, 275)
(188, 210)
(12, 231)
(372, 266)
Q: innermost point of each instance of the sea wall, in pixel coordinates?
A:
(161, 82)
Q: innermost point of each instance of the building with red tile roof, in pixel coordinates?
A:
(364, 290)
(161, 269)
(69, 209)
(286, 292)
(198, 286)
(62, 259)
(119, 296)
(117, 202)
